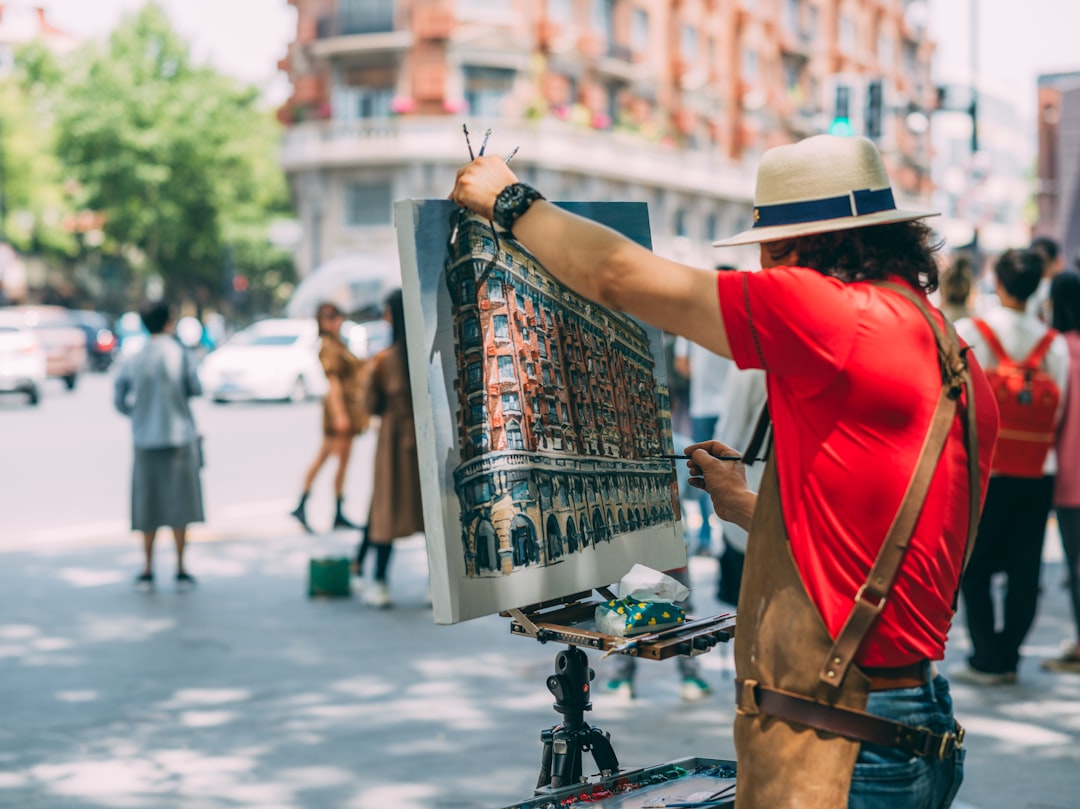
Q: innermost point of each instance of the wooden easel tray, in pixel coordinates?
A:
(571, 620)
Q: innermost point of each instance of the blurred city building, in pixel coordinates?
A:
(21, 23)
(666, 101)
(989, 190)
(1058, 194)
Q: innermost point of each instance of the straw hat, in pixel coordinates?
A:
(818, 185)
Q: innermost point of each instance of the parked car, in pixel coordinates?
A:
(101, 343)
(274, 359)
(22, 359)
(63, 341)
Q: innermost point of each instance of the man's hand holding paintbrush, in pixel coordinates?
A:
(712, 469)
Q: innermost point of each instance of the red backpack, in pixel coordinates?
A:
(1027, 398)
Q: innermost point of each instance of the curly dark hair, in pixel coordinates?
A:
(904, 249)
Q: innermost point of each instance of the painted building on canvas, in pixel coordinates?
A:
(560, 415)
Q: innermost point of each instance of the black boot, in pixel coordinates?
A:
(340, 520)
(301, 514)
(361, 552)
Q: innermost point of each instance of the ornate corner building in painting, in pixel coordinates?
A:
(560, 415)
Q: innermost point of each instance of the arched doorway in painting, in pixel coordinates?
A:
(623, 527)
(523, 541)
(554, 536)
(586, 538)
(487, 556)
(571, 536)
(599, 530)
(553, 545)
(611, 526)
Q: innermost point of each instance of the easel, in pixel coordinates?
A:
(570, 620)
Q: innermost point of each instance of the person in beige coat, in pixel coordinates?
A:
(345, 413)
(396, 505)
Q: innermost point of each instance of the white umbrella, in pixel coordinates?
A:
(352, 282)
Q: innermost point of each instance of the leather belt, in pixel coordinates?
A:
(752, 697)
(910, 676)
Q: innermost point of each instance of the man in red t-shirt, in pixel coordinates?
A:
(883, 436)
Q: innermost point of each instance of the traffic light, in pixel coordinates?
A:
(874, 93)
(841, 123)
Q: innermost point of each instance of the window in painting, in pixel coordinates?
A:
(506, 369)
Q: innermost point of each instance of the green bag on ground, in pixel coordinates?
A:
(329, 578)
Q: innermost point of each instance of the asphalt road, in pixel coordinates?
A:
(65, 476)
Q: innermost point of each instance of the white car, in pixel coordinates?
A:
(275, 359)
(22, 360)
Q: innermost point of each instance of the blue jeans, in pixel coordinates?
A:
(888, 778)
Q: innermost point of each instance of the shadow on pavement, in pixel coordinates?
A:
(243, 693)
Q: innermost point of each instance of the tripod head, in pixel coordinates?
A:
(570, 685)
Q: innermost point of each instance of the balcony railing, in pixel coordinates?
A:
(376, 17)
(546, 143)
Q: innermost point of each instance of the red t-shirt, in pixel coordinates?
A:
(853, 379)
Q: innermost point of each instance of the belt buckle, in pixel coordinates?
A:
(957, 742)
(950, 742)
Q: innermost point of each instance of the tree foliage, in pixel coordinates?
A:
(179, 159)
(35, 204)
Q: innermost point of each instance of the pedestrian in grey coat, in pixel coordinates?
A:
(153, 389)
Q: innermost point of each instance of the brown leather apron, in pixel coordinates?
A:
(782, 643)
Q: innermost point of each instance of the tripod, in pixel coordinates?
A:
(564, 743)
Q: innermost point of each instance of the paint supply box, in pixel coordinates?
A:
(689, 781)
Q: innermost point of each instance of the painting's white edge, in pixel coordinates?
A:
(405, 218)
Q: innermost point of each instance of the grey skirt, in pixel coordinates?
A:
(165, 488)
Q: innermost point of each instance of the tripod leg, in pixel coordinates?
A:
(603, 753)
(545, 760)
(565, 757)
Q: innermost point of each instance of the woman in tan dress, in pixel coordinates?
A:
(396, 505)
(345, 413)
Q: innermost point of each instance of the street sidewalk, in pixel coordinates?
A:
(244, 693)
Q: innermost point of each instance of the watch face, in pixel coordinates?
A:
(512, 202)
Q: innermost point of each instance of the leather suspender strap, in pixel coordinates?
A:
(871, 597)
(752, 697)
(954, 367)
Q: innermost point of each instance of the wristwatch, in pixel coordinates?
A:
(512, 203)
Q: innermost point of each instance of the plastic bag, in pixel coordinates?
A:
(645, 604)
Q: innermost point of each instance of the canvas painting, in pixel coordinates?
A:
(541, 418)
